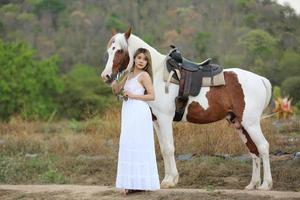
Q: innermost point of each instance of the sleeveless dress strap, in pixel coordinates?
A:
(138, 75)
(135, 76)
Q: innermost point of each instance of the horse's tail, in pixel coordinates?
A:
(268, 88)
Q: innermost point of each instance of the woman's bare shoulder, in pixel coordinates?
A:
(145, 75)
(144, 78)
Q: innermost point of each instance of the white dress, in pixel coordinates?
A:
(137, 168)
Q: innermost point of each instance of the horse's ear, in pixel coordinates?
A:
(128, 33)
(113, 32)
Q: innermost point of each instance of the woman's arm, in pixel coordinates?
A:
(117, 87)
(147, 84)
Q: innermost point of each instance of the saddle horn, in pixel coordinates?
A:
(175, 54)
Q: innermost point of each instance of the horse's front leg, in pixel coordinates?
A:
(164, 130)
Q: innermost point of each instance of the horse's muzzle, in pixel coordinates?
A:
(110, 79)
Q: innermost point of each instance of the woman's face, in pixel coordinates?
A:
(140, 61)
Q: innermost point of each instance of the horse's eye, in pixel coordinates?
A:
(113, 48)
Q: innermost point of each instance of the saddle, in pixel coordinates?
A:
(191, 77)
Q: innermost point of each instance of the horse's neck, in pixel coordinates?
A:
(156, 57)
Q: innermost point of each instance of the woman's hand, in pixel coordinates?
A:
(118, 86)
(115, 87)
(129, 95)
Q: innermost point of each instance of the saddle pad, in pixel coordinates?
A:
(216, 80)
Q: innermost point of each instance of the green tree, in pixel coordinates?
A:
(250, 20)
(27, 85)
(53, 6)
(258, 43)
(289, 65)
(291, 87)
(114, 22)
(202, 42)
(1, 27)
(85, 95)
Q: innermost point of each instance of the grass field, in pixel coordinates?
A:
(72, 152)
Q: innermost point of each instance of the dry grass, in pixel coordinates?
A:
(97, 135)
(60, 138)
(215, 138)
(86, 152)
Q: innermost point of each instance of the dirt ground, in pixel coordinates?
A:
(76, 192)
(214, 179)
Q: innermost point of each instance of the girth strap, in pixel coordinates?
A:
(183, 95)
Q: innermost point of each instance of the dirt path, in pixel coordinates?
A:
(76, 192)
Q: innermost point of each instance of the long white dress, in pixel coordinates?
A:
(137, 168)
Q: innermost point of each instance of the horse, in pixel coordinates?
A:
(242, 100)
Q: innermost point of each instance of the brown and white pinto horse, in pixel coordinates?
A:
(242, 101)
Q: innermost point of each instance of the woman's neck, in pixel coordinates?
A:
(137, 71)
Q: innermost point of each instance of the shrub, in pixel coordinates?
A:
(85, 95)
(291, 86)
(27, 85)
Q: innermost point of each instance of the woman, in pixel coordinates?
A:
(137, 169)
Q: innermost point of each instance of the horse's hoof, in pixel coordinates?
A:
(166, 185)
(176, 179)
(249, 187)
(252, 185)
(265, 186)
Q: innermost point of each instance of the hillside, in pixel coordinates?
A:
(258, 35)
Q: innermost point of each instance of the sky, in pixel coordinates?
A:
(293, 3)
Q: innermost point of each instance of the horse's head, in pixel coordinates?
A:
(118, 57)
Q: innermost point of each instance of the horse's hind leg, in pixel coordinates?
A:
(258, 145)
(255, 180)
